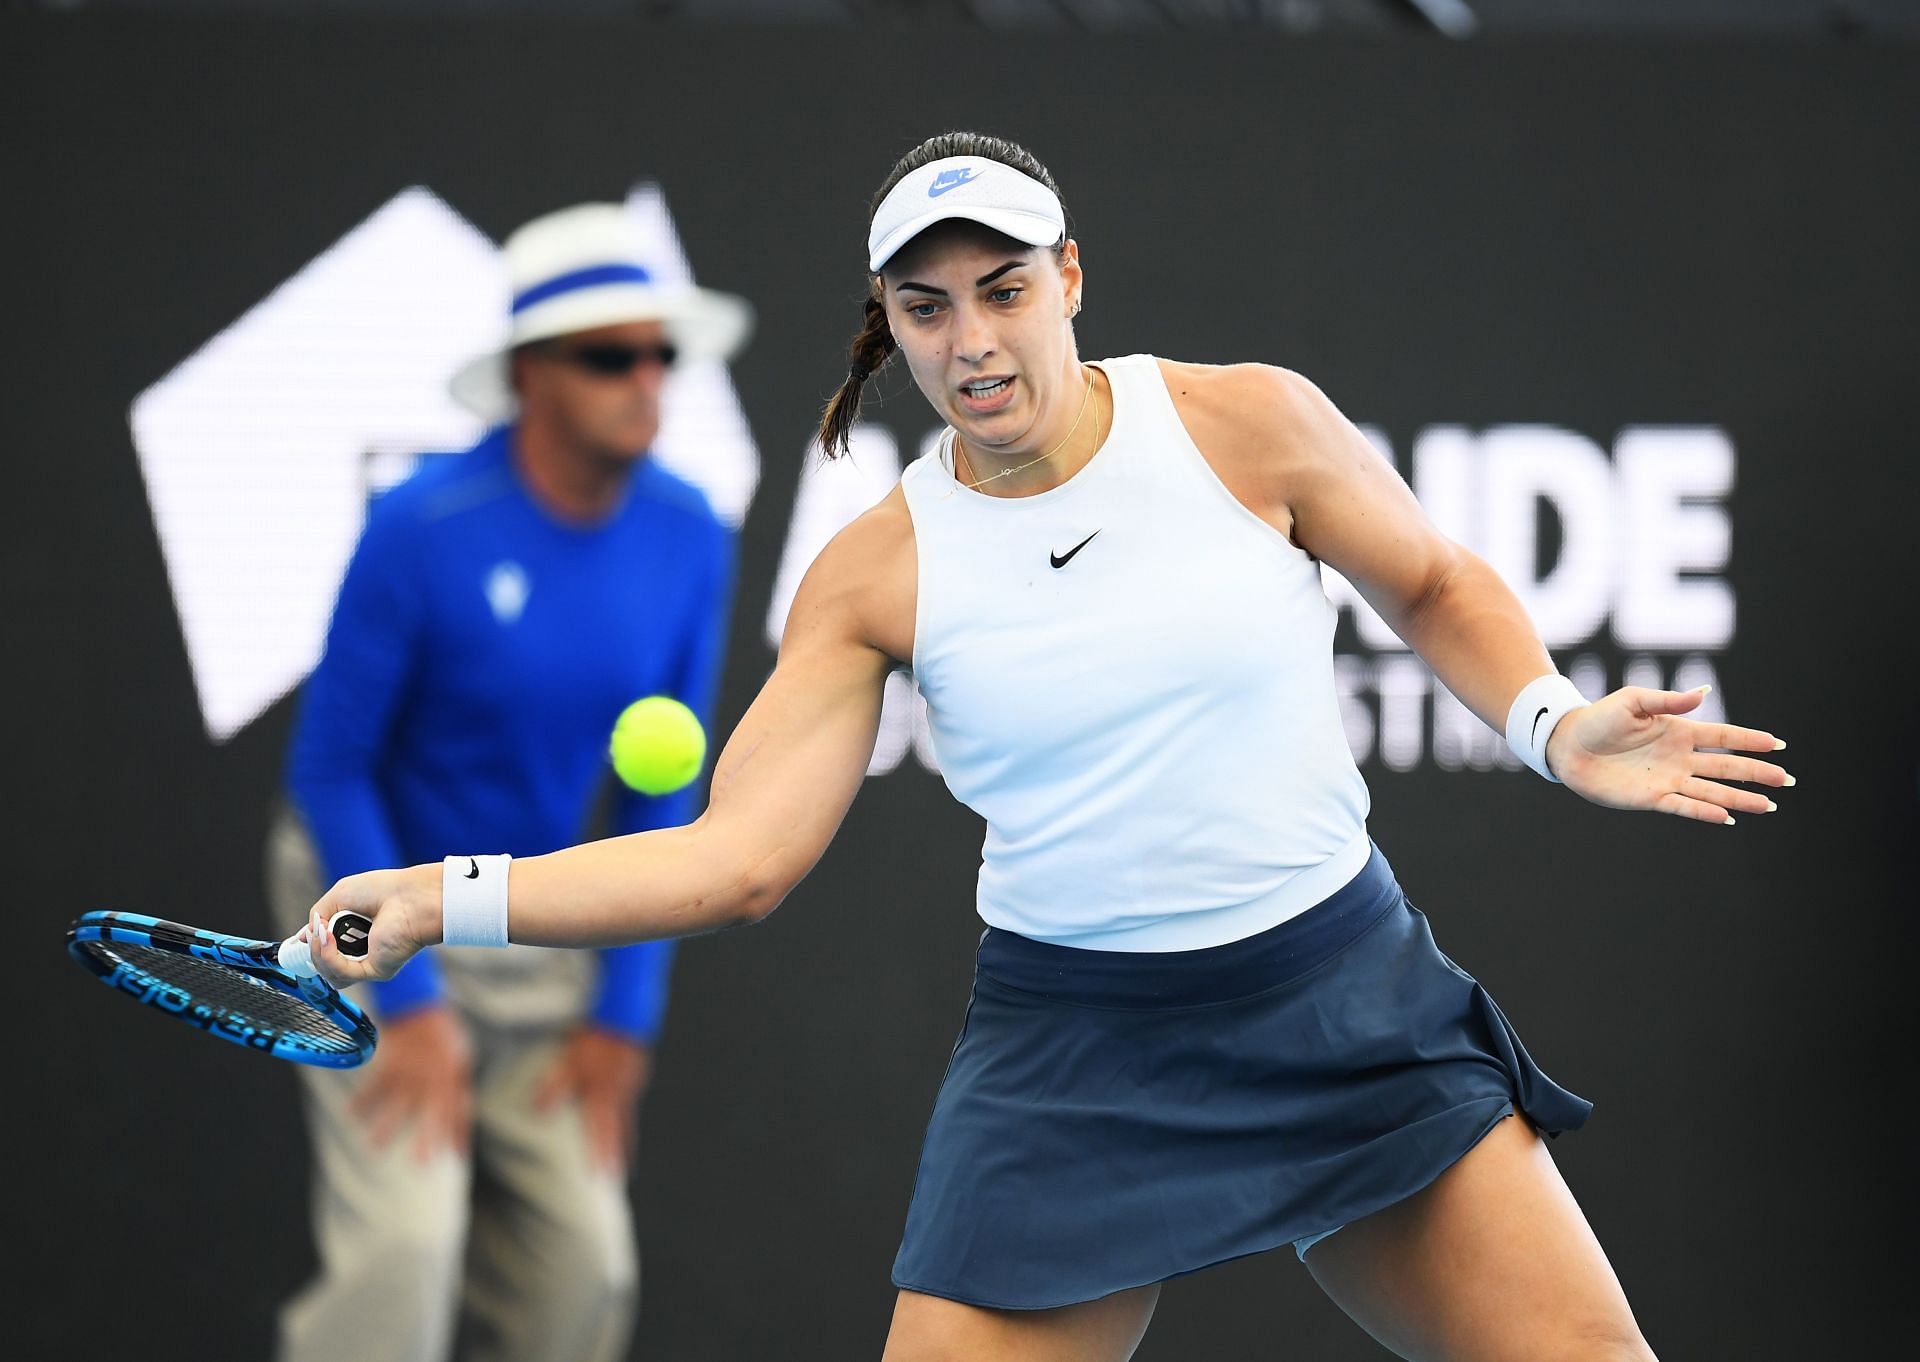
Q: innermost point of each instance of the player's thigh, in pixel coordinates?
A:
(1493, 1262)
(931, 1329)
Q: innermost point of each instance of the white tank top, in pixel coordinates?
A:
(1130, 677)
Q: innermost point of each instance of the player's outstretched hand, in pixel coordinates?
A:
(405, 908)
(1634, 749)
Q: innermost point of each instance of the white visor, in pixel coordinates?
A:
(972, 187)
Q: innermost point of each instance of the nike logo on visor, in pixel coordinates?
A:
(951, 179)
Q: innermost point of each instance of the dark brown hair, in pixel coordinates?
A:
(873, 345)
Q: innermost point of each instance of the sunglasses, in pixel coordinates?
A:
(617, 361)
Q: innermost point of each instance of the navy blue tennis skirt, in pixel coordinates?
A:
(1113, 1118)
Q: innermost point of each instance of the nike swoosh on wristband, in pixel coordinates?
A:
(1061, 560)
(473, 866)
(1535, 736)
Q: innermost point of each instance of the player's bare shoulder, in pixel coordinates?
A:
(1257, 406)
(1254, 424)
(863, 585)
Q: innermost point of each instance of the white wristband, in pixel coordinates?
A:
(473, 900)
(1544, 703)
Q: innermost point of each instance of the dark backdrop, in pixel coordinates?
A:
(1588, 235)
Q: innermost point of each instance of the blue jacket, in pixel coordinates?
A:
(479, 653)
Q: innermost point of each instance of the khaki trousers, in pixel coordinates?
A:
(517, 1251)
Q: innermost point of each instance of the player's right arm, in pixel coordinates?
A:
(780, 789)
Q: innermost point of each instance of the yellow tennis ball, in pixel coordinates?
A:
(657, 745)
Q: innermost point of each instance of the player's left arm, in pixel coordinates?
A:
(1342, 502)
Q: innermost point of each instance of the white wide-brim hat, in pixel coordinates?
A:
(582, 268)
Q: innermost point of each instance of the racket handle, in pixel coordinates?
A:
(349, 930)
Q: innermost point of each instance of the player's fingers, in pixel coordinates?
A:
(318, 934)
(1726, 796)
(342, 971)
(1667, 701)
(334, 967)
(1737, 739)
(1721, 766)
(1684, 807)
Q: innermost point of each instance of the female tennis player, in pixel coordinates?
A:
(1206, 1021)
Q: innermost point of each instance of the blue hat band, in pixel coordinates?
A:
(575, 280)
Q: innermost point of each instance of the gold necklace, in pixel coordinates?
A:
(961, 452)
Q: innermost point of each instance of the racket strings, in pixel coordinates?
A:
(241, 1000)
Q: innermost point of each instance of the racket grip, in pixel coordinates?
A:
(349, 931)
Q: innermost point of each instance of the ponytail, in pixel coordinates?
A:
(869, 353)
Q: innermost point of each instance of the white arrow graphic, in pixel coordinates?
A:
(252, 448)
(256, 450)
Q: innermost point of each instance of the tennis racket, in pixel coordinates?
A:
(265, 995)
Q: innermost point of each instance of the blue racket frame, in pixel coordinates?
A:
(92, 936)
